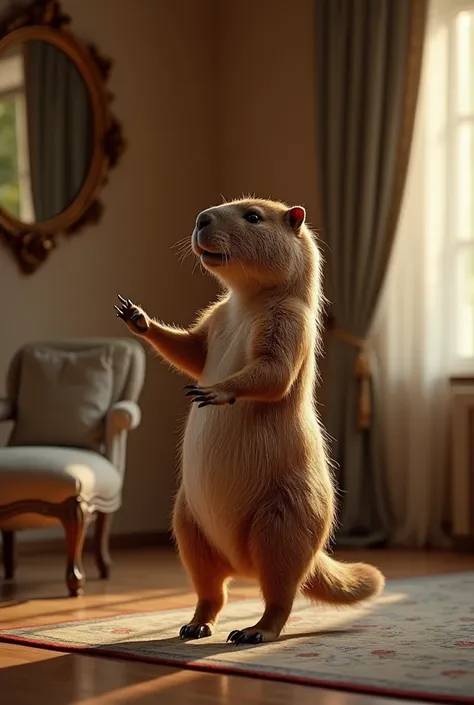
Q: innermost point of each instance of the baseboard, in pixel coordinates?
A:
(463, 544)
(150, 539)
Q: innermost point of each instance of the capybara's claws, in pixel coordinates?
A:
(195, 392)
(243, 637)
(232, 635)
(194, 631)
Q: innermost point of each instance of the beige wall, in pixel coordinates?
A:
(163, 68)
(211, 105)
(267, 142)
(267, 137)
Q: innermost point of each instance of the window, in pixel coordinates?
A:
(15, 187)
(460, 178)
(9, 183)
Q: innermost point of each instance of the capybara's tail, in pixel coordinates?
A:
(342, 583)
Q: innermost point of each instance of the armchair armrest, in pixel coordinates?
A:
(121, 418)
(7, 411)
(124, 416)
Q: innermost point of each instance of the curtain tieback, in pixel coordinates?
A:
(362, 374)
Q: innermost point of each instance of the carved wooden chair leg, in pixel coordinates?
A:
(9, 555)
(74, 521)
(101, 544)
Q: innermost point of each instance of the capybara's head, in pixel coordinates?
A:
(254, 241)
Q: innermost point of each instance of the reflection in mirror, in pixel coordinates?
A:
(46, 131)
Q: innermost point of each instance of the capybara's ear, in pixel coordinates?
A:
(295, 217)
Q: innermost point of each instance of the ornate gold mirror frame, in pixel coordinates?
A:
(31, 243)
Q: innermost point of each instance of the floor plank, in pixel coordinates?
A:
(152, 580)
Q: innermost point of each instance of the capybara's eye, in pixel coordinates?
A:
(252, 217)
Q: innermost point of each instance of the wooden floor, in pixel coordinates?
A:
(150, 580)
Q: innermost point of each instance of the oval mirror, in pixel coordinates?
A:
(58, 138)
(46, 131)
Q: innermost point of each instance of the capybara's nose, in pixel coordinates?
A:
(205, 218)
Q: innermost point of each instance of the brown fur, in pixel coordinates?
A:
(256, 497)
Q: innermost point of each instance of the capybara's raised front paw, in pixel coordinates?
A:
(135, 318)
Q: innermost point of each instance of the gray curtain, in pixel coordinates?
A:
(60, 128)
(368, 70)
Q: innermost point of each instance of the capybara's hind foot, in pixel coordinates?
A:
(251, 635)
(195, 631)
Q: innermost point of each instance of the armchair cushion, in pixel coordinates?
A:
(53, 474)
(63, 397)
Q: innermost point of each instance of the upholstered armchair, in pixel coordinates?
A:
(72, 404)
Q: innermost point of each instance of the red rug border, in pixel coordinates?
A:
(229, 670)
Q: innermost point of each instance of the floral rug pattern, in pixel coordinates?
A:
(416, 640)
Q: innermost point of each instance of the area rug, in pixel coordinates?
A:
(416, 640)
